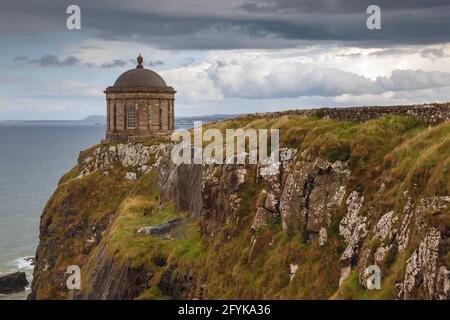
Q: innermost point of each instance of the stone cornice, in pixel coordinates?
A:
(140, 95)
(140, 90)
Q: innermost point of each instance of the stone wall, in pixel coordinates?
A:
(430, 113)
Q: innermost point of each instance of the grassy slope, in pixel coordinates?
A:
(401, 152)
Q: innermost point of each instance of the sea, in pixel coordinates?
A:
(33, 157)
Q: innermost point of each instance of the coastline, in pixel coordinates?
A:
(23, 264)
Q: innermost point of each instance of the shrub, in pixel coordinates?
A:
(339, 151)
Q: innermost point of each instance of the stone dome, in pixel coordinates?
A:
(139, 77)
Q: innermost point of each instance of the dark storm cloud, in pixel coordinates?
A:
(49, 60)
(336, 6)
(231, 24)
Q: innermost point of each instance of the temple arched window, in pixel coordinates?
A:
(131, 118)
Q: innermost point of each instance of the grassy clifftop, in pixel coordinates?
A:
(219, 251)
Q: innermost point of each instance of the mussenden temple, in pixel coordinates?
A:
(139, 105)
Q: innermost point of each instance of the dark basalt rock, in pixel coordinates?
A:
(159, 261)
(12, 283)
(178, 286)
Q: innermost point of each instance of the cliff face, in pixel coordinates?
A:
(345, 196)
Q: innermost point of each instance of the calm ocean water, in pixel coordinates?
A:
(33, 157)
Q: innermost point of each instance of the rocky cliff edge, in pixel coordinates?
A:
(345, 196)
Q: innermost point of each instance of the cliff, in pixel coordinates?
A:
(346, 195)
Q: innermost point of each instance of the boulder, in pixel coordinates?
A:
(160, 229)
(12, 283)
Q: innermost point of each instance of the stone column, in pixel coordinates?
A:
(160, 114)
(165, 115)
(113, 116)
(154, 111)
(172, 113)
(143, 115)
(149, 114)
(108, 115)
(120, 114)
(169, 114)
(133, 105)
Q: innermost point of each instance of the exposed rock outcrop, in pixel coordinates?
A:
(12, 283)
(353, 228)
(178, 286)
(113, 279)
(423, 269)
(313, 190)
(160, 229)
(127, 155)
(268, 204)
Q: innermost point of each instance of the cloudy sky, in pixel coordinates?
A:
(227, 56)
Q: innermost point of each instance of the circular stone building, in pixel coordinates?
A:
(139, 105)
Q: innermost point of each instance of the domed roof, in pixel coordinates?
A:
(139, 77)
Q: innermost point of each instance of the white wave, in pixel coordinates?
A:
(25, 263)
